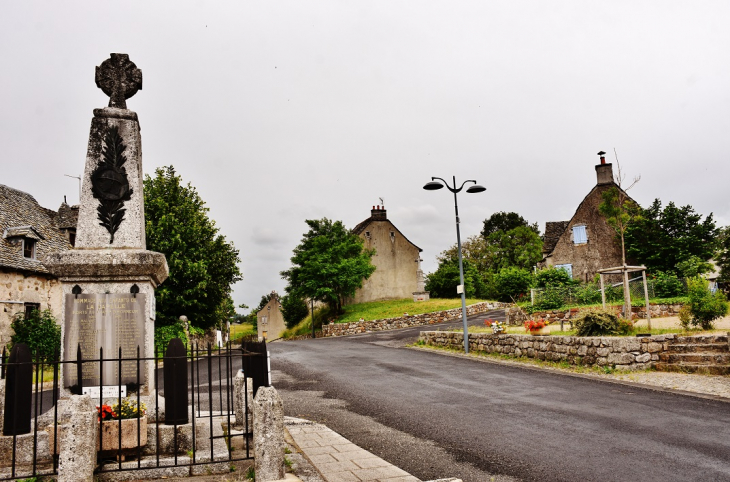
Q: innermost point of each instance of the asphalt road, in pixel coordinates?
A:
(436, 415)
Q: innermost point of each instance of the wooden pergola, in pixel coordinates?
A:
(624, 270)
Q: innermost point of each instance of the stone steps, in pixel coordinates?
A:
(707, 354)
(696, 357)
(698, 347)
(693, 368)
(702, 339)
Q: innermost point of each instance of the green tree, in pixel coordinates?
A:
(442, 283)
(504, 222)
(723, 254)
(520, 247)
(329, 264)
(512, 283)
(663, 238)
(294, 309)
(203, 265)
(704, 307)
(39, 331)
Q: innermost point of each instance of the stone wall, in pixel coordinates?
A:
(26, 288)
(620, 352)
(340, 329)
(637, 312)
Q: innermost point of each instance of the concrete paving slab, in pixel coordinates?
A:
(339, 460)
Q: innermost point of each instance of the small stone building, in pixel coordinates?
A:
(585, 243)
(396, 260)
(29, 233)
(270, 320)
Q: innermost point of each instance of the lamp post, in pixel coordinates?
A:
(433, 186)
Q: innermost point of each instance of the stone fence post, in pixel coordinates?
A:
(77, 441)
(268, 435)
(243, 397)
(2, 404)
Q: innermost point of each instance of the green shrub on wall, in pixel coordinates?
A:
(39, 331)
(704, 306)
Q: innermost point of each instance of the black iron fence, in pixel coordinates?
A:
(190, 421)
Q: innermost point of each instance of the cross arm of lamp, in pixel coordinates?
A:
(434, 185)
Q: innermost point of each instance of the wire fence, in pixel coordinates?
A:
(585, 294)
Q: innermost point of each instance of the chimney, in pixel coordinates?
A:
(378, 212)
(604, 172)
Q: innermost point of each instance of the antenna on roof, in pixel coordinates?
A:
(381, 201)
(79, 178)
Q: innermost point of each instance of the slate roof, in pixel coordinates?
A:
(361, 227)
(22, 216)
(553, 231)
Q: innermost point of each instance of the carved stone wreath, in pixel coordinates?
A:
(109, 182)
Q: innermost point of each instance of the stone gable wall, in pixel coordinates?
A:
(622, 352)
(601, 250)
(341, 329)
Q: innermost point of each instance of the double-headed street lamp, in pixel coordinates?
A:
(433, 186)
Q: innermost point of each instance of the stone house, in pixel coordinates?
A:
(396, 260)
(585, 243)
(270, 320)
(29, 233)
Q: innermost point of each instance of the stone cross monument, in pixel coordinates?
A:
(109, 278)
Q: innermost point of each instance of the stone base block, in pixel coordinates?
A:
(421, 295)
(166, 436)
(148, 469)
(24, 449)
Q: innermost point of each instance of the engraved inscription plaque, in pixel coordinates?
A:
(109, 321)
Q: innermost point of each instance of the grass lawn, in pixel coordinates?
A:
(242, 329)
(376, 310)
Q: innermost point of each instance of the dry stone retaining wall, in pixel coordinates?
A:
(657, 311)
(340, 329)
(621, 352)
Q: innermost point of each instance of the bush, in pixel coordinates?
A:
(598, 323)
(553, 277)
(551, 298)
(667, 285)
(704, 306)
(511, 283)
(39, 331)
(163, 335)
(588, 294)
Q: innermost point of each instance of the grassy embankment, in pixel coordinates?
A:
(241, 330)
(375, 310)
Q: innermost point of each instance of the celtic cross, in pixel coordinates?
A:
(118, 78)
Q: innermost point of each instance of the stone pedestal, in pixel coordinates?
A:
(421, 295)
(109, 279)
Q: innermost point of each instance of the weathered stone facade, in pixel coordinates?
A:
(598, 249)
(395, 260)
(19, 288)
(620, 352)
(29, 233)
(341, 329)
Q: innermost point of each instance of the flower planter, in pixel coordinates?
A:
(110, 434)
(540, 331)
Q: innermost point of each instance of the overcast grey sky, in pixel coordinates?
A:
(280, 111)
